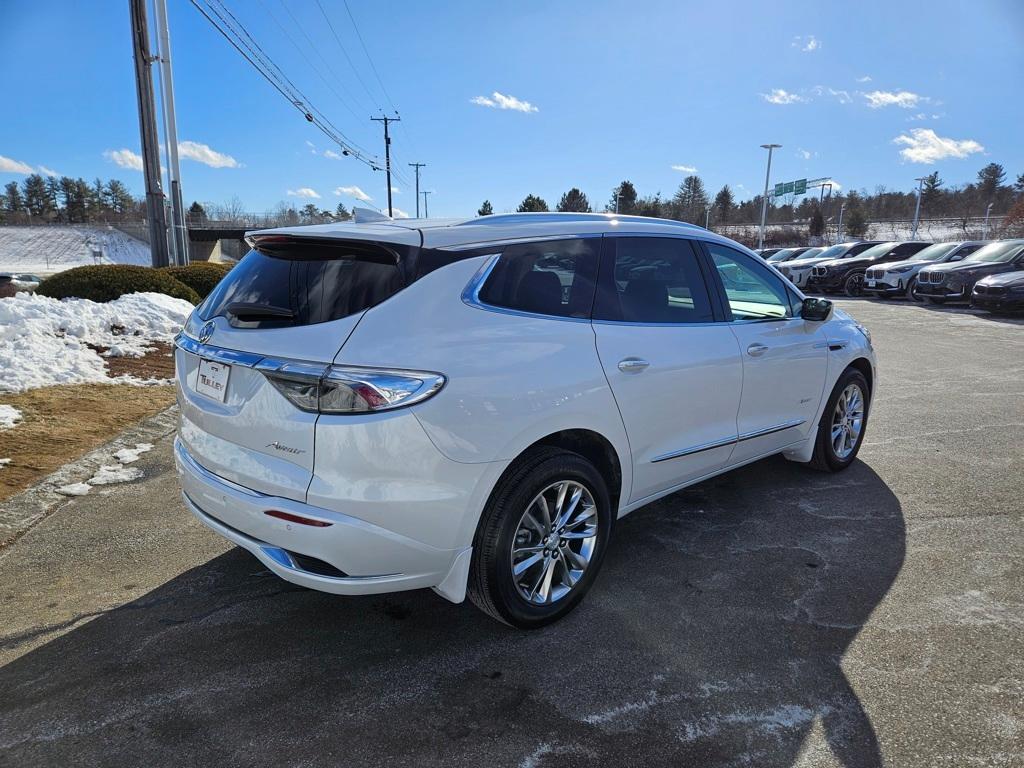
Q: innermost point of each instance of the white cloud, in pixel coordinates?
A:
(812, 43)
(779, 96)
(353, 191)
(47, 171)
(7, 165)
(202, 153)
(923, 145)
(396, 191)
(824, 90)
(124, 158)
(304, 192)
(904, 99)
(501, 101)
(806, 154)
(865, 79)
(399, 213)
(684, 168)
(330, 153)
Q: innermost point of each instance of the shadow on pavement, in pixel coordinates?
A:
(714, 636)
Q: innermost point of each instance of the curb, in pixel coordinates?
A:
(25, 509)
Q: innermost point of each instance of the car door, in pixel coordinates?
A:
(785, 358)
(675, 372)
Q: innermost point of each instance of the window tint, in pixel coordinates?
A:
(549, 278)
(304, 291)
(651, 280)
(753, 292)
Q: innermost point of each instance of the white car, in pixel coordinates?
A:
(799, 270)
(469, 405)
(899, 278)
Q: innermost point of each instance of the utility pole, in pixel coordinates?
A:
(707, 218)
(617, 193)
(984, 231)
(147, 131)
(179, 238)
(387, 152)
(839, 226)
(917, 208)
(764, 200)
(426, 210)
(417, 166)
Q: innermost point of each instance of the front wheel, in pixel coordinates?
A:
(912, 293)
(841, 429)
(854, 285)
(541, 539)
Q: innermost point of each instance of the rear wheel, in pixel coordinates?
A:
(841, 429)
(854, 284)
(541, 539)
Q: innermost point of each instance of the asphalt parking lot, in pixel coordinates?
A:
(770, 617)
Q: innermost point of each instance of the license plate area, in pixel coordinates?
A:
(212, 379)
(872, 283)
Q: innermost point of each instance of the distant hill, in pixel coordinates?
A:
(54, 248)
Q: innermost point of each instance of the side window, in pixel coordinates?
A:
(553, 277)
(753, 292)
(651, 280)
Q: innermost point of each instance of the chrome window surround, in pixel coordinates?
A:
(728, 441)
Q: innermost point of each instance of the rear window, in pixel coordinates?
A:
(554, 277)
(304, 284)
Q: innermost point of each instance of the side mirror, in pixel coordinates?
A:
(816, 310)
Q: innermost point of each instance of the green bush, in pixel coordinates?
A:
(106, 282)
(201, 277)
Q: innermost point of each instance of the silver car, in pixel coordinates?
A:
(899, 278)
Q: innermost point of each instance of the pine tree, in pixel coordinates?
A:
(931, 189)
(856, 223)
(724, 204)
(341, 213)
(533, 204)
(990, 179)
(36, 200)
(651, 206)
(196, 213)
(574, 201)
(816, 226)
(53, 193)
(309, 213)
(118, 198)
(485, 209)
(623, 199)
(1018, 187)
(15, 203)
(690, 201)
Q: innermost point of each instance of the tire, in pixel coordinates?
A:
(853, 285)
(912, 291)
(492, 586)
(934, 300)
(826, 457)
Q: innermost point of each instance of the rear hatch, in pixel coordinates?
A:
(286, 308)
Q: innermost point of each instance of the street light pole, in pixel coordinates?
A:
(917, 209)
(707, 218)
(984, 230)
(839, 226)
(764, 200)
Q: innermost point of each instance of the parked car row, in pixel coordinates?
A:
(988, 275)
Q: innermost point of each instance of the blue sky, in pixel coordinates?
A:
(501, 100)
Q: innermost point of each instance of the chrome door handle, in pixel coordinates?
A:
(632, 365)
(756, 350)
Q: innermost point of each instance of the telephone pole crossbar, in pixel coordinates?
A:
(387, 152)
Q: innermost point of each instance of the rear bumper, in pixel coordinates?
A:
(369, 559)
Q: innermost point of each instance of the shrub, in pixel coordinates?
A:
(200, 277)
(106, 282)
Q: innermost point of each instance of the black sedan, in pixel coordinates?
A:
(1000, 293)
(955, 281)
(847, 275)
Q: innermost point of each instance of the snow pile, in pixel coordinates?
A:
(109, 474)
(4, 463)
(56, 247)
(44, 341)
(9, 416)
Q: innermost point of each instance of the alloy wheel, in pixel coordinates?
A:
(554, 542)
(912, 291)
(854, 285)
(847, 421)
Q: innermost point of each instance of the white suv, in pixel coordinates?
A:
(470, 405)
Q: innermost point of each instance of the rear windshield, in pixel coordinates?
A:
(304, 285)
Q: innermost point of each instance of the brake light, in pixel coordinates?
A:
(339, 389)
(289, 517)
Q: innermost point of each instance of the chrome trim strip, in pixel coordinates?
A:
(219, 354)
(770, 430)
(694, 449)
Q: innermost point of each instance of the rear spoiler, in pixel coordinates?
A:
(297, 247)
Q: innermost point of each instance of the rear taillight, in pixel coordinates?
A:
(340, 389)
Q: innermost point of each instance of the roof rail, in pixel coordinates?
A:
(551, 218)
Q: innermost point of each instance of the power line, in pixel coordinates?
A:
(240, 39)
(369, 58)
(348, 58)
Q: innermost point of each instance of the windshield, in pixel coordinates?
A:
(997, 252)
(782, 255)
(830, 253)
(876, 250)
(934, 252)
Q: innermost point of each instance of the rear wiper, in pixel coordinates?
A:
(248, 312)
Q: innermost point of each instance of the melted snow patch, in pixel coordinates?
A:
(75, 489)
(9, 416)
(4, 463)
(114, 473)
(128, 455)
(44, 341)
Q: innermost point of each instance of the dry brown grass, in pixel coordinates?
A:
(60, 424)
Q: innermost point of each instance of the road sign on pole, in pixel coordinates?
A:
(800, 187)
(779, 189)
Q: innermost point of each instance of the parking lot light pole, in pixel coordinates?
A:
(839, 226)
(764, 200)
(917, 208)
(984, 229)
